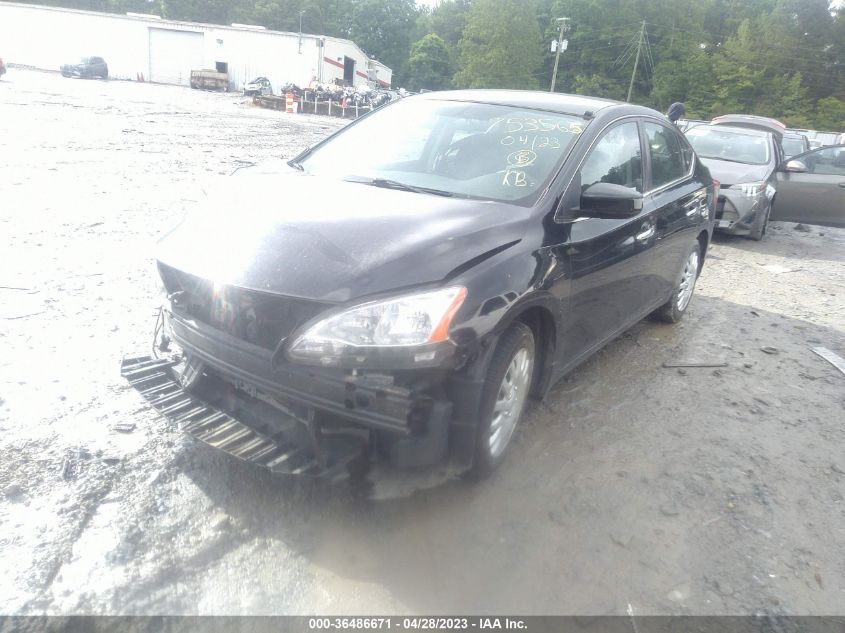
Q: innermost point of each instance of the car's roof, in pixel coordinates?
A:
(750, 121)
(734, 129)
(551, 101)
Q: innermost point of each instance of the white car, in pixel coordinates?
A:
(258, 86)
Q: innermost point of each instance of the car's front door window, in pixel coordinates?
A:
(828, 161)
(616, 158)
(667, 161)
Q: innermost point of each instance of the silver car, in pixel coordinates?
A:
(811, 188)
(745, 160)
(794, 144)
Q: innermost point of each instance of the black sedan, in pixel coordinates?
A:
(87, 68)
(428, 269)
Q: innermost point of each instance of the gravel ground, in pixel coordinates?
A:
(632, 486)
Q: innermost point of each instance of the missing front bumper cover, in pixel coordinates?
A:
(338, 455)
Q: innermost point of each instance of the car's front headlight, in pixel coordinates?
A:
(751, 189)
(411, 328)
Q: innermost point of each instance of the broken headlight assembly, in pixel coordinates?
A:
(404, 332)
(751, 189)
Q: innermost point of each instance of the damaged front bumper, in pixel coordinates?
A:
(311, 421)
(265, 445)
(737, 212)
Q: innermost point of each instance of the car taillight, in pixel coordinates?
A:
(716, 185)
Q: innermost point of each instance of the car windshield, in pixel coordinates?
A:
(792, 146)
(729, 145)
(476, 150)
(84, 60)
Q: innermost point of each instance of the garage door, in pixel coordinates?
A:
(173, 54)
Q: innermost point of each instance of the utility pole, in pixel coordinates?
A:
(300, 30)
(564, 26)
(636, 61)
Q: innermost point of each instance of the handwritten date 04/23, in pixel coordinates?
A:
(416, 624)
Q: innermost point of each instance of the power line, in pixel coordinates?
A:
(815, 62)
(625, 55)
(598, 39)
(649, 60)
(785, 70)
(708, 36)
(606, 30)
(596, 48)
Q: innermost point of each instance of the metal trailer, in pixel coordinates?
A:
(209, 80)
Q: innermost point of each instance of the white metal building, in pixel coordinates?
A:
(165, 51)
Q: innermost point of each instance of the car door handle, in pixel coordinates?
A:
(646, 233)
(842, 184)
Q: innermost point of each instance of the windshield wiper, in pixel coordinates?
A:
(386, 183)
(729, 160)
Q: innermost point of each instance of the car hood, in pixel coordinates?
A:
(278, 230)
(729, 173)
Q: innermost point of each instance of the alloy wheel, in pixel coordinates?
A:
(510, 400)
(688, 278)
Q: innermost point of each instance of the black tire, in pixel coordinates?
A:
(673, 310)
(759, 229)
(516, 338)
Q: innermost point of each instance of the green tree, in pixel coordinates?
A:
(598, 86)
(830, 114)
(740, 78)
(429, 66)
(448, 20)
(786, 99)
(501, 46)
(383, 29)
(684, 76)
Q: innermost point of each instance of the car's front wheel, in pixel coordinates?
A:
(760, 225)
(673, 310)
(504, 397)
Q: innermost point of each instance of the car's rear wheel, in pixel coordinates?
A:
(673, 310)
(504, 397)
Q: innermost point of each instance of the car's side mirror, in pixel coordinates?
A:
(795, 166)
(607, 200)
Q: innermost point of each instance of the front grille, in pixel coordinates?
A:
(260, 318)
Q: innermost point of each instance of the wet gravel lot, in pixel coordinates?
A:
(662, 490)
